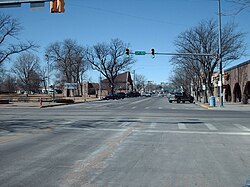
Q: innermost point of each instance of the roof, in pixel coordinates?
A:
(121, 78)
(239, 65)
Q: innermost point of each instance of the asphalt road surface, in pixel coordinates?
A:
(130, 142)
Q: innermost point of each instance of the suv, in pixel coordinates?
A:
(180, 97)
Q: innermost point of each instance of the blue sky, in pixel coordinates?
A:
(145, 24)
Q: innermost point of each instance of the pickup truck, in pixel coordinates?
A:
(180, 97)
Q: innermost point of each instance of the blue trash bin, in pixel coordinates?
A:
(212, 101)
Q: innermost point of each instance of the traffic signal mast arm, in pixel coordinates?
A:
(56, 6)
(188, 54)
(172, 53)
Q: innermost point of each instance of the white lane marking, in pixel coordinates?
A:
(166, 131)
(153, 125)
(99, 122)
(159, 108)
(241, 127)
(124, 124)
(139, 101)
(66, 122)
(182, 126)
(211, 127)
(42, 121)
(147, 107)
(134, 107)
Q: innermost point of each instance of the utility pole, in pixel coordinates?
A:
(134, 87)
(48, 75)
(100, 88)
(219, 55)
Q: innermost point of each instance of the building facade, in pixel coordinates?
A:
(236, 83)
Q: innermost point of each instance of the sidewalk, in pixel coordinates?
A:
(43, 104)
(226, 106)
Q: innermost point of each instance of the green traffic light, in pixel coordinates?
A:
(153, 53)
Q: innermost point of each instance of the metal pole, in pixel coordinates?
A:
(48, 75)
(127, 83)
(220, 56)
(134, 81)
(100, 88)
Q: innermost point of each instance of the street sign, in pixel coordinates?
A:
(140, 52)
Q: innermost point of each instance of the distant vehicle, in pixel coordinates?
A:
(247, 184)
(160, 94)
(111, 96)
(133, 94)
(146, 94)
(121, 95)
(180, 97)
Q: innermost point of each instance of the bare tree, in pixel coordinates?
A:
(109, 59)
(2, 77)
(27, 70)
(239, 5)
(67, 59)
(9, 30)
(204, 39)
(140, 81)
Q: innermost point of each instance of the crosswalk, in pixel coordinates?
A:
(205, 127)
(182, 126)
(138, 124)
(104, 107)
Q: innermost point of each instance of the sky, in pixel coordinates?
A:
(144, 24)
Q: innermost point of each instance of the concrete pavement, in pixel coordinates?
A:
(36, 104)
(226, 106)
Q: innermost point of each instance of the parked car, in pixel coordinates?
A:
(133, 94)
(121, 95)
(247, 184)
(111, 96)
(160, 94)
(180, 97)
(146, 94)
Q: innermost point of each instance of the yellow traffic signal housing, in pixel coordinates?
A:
(57, 6)
(53, 6)
(60, 6)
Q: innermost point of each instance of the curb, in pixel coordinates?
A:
(204, 106)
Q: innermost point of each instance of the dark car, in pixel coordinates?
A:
(180, 97)
(133, 94)
(121, 95)
(247, 184)
(111, 96)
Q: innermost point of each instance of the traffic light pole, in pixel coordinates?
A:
(219, 55)
(175, 54)
(17, 3)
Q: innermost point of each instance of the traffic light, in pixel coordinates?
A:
(57, 6)
(61, 6)
(152, 53)
(53, 6)
(127, 52)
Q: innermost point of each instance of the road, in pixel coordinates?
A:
(130, 142)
